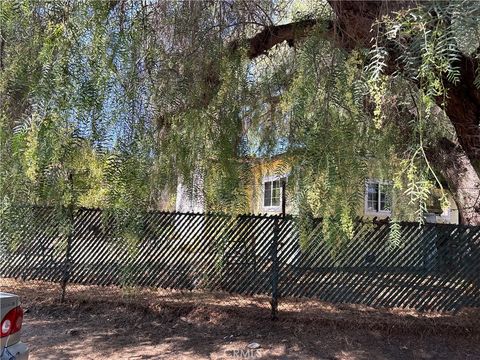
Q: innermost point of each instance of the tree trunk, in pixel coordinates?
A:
(462, 178)
(352, 29)
(463, 108)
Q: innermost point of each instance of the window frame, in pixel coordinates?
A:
(271, 179)
(378, 212)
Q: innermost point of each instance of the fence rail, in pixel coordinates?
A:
(434, 267)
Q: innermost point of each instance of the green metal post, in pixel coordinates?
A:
(275, 268)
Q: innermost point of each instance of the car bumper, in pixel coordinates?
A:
(18, 351)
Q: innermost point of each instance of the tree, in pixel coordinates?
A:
(459, 94)
(168, 89)
(453, 83)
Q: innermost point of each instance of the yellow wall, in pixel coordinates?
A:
(278, 167)
(265, 168)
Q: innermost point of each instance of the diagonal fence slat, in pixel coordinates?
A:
(434, 267)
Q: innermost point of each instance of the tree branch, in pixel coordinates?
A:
(276, 34)
(351, 29)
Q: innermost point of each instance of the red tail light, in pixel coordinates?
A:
(12, 322)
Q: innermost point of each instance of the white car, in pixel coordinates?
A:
(11, 318)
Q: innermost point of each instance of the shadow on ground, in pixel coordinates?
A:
(176, 325)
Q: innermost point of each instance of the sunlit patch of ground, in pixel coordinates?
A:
(111, 323)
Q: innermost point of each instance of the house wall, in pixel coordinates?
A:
(401, 206)
(190, 199)
(450, 215)
(264, 169)
(406, 211)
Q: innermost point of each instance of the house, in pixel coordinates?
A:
(271, 181)
(268, 193)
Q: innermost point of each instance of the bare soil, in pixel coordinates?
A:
(113, 323)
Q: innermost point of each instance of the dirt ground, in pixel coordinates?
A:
(109, 323)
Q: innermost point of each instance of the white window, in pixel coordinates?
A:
(272, 193)
(378, 198)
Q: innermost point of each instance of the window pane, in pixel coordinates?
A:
(267, 194)
(385, 197)
(372, 197)
(276, 193)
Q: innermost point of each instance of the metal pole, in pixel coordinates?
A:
(71, 219)
(274, 253)
(275, 268)
(66, 268)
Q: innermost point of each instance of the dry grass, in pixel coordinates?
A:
(111, 323)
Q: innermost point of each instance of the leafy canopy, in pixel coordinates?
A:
(110, 103)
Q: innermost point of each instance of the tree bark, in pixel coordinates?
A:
(461, 176)
(462, 106)
(354, 19)
(273, 35)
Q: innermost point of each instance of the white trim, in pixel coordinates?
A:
(366, 210)
(272, 178)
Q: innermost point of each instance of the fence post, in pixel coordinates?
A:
(66, 267)
(275, 268)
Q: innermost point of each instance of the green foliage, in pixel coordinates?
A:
(331, 137)
(428, 42)
(395, 234)
(110, 105)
